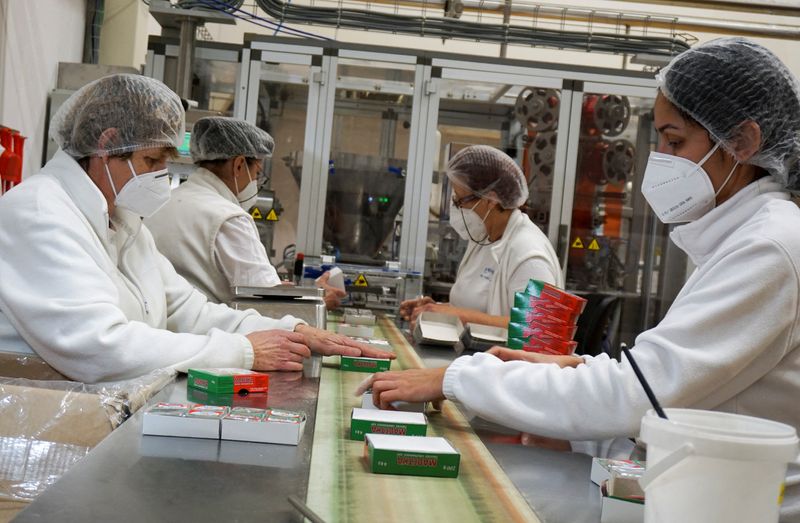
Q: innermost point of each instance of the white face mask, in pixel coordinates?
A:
(143, 194)
(679, 190)
(247, 196)
(468, 225)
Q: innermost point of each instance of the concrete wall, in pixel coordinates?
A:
(35, 35)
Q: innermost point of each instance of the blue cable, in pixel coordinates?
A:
(231, 9)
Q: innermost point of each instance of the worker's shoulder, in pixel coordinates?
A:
(525, 235)
(202, 199)
(776, 222)
(39, 194)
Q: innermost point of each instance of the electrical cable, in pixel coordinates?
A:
(231, 9)
(286, 12)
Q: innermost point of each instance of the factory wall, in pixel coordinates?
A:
(35, 35)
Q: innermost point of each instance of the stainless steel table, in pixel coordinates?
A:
(133, 478)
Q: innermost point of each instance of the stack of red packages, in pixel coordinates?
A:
(544, 319)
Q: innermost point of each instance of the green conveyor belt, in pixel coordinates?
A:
(341, 489)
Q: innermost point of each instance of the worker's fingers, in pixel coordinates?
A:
(291, 356)
(290, 366)
(364, 386)
(379, 388)
(343, 350)
(371, 352)
(300, 349)
(389, 397)
(296, 337)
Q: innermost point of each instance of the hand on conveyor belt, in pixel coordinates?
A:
(415, 385)
(330, 344)
(506, 354)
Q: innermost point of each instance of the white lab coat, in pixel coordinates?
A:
(729, 342)
(102, 304)
(489, 275)
(210, 240)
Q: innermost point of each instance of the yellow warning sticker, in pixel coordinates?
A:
(594, 246)
(361, 281)
(256, 213)
(272, 216)
(577, 244)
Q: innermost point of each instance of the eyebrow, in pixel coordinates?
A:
(667, 126)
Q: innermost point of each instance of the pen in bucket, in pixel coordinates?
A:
(643, 381)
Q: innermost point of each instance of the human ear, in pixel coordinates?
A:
(106, 140)
(747, 141)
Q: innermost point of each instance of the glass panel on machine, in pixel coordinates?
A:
(281, 111)
(608, 255)
(368, 160)
(213, 84)
(521, 120)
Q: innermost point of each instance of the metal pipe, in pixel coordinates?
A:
(572, 14)
(186, 57)
(506, 21)
(772, 7)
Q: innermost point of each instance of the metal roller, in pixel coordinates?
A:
(542, 154)
(606, 115)
(537, 108)
(618, 161)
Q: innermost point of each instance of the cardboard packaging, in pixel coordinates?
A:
(373, 421)
(359, 317)
(253, 401)
(405, 406)
(177, 419)
(603, 469)
(363, 331)
(228, 381)
(436, 328)
(264, 426)
(359, 364)
(415, 456)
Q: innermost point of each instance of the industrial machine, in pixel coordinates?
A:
(363, 135)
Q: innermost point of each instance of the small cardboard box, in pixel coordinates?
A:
(363, 331)
(264, 426)
(360, 364)
(603, 469)
(617, 510)
(437, 328)
(359, 317)
(253, 401)
(373, 421)
(412, 456)
(228, 381)
(176, 419)
(405, 406)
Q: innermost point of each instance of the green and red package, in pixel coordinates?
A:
(228, 381)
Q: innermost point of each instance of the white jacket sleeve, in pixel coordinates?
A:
(732, 326)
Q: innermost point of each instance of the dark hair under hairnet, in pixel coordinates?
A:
(221, 138)
(728, 81)
(143, 112)
(489, 173)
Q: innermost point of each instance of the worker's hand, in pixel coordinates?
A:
(416, 385)
(408, 306)
(534, 357)
(278, 350)
(333, 295)
(532, 440)
(330, 344)
(432, 306)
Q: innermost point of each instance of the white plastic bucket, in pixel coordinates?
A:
(708, 467)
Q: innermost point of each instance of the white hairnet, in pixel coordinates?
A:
(220, 138)
(728, 81)
(489, 173)
(138, 112)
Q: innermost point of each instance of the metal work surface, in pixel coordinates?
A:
(130, 477)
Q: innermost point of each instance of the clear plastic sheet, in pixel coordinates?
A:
(46, 425)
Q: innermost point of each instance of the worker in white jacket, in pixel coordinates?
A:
(505, 248)
(204, 229)
(728, 117)
(81, 282)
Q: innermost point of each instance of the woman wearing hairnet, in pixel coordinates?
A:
(219, 247)
(505, 248)
(83, 285)
(728, 120)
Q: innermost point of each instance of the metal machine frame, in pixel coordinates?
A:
(430, 70)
